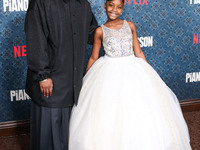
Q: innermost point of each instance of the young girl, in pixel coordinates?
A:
(123, 103)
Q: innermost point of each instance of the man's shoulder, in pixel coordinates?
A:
(85, 2)
(35, 3)
(40, 4)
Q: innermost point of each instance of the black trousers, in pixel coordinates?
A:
(49, 128)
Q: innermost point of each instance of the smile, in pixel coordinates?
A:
(113, 14)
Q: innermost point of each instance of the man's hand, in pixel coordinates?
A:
(46, 87)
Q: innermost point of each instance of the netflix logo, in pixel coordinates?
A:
(196, 38)
(20, 51)
(136, 2)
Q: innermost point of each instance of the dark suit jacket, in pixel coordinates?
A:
(57, 32)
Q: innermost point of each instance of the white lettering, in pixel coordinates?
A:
(26, 96)
(26, 5)
(192, 77)
(5, 4)
(194, 2)
(15, 5)
(20, 5)
(146, 41)
(12, 94)
(188, 76)
(19, 95)
(198, 76)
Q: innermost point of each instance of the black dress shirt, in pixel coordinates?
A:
(57, 32)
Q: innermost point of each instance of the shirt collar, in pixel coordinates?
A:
(67, 1)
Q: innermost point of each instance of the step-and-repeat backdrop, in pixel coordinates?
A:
(168, 32)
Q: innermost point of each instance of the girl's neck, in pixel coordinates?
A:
(113, 22)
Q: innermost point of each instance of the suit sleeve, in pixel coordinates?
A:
(36, 41)
(93, 26)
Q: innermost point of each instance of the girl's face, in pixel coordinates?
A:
(114, 8)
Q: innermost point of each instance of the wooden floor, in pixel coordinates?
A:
(21, 142)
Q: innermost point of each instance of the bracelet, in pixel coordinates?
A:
(43, 80)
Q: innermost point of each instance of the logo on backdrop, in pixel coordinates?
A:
(20, 51)
(146, 41)
(192, 77)
(15, 5)
(136, 2)
(196, 38)
(194, 1)
(18, 95)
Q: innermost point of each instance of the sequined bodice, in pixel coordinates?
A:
(118, 43)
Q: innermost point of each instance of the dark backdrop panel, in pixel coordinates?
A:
(167, 31)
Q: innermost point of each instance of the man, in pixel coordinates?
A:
(57, 32)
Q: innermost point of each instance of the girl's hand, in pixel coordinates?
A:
(46, 87)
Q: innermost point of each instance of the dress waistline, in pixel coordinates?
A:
(123, 58)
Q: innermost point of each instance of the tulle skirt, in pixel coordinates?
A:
(125, 105)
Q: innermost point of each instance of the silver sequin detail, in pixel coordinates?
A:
(118, 43)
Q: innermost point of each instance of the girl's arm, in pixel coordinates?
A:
(98, 36)
(136, 45)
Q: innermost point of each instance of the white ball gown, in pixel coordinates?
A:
(124, 104)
